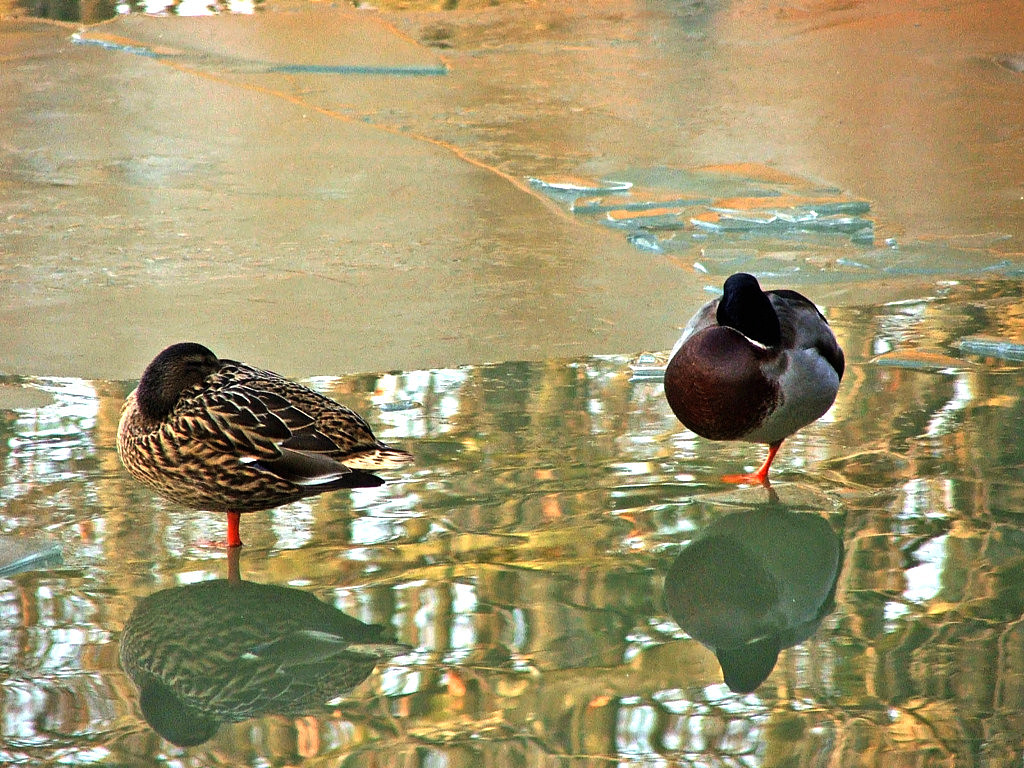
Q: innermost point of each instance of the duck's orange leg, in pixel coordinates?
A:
(234, 540)
(761, 476)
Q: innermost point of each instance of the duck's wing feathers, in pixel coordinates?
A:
(353, 442)
(303, 429)
(315, 422)
(804, 327)
(306, 647)
(791, 302)
(264, 431)
(240, 415)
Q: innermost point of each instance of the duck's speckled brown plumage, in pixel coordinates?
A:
(223, 436)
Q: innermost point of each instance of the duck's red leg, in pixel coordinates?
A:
(234, 540)
(761, 476)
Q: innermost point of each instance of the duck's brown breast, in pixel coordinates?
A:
(716, 386)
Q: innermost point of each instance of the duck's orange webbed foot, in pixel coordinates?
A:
(760, 477)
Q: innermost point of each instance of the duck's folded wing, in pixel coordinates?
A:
(805, 327)
(303, 468)
(266, 431)
(246, 415)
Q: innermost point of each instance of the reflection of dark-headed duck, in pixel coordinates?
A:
(226, 437)
(752, 584)
(754, 366)
(215, 652)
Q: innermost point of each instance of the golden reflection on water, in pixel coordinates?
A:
(522, 559)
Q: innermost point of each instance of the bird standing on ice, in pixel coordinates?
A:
(754, 365)
(227, 437)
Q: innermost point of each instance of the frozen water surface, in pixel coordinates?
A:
(482, 227)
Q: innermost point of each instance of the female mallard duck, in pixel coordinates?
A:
(226, 437)
(754, 366)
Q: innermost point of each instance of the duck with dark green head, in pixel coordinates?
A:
(755, 366)
(224, 436)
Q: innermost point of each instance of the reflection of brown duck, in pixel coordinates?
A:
(215, 652)
(754, 366)
(226, 437)
(752, 584)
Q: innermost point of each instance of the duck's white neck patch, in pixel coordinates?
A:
(755, 342)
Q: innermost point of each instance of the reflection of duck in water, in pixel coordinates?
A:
(754, 366)
(752, 584)
(227, 437)
(219, 651)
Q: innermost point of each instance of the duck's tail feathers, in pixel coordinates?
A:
(383, 457)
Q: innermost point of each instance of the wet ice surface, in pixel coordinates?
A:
(754, 219)
(314, 180)
(393, 221)
(26, 554)
(332, 44)
(522, 557)
(747, 200)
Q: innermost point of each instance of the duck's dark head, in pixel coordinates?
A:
(174, 370)
(745, 307)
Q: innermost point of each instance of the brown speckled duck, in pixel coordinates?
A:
(754, 366)
(227, 437)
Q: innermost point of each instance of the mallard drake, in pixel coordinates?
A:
(227, 437)
(225, 651)
(754, 366)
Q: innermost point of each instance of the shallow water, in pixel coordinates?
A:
(522, 560)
